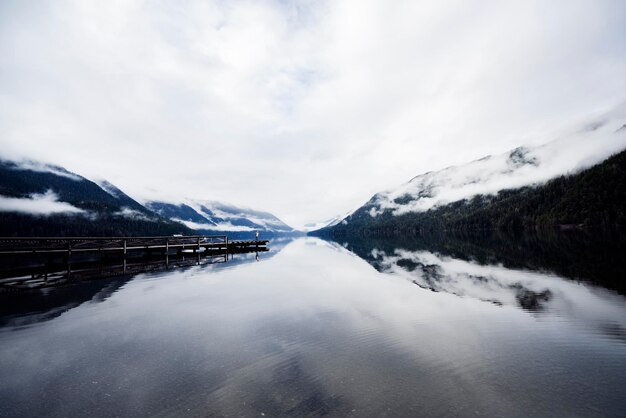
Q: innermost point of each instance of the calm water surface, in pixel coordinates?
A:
(315, 328)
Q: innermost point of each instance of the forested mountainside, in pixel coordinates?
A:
(44, 200)
(593, 198)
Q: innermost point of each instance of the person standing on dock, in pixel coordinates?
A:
(257, 235)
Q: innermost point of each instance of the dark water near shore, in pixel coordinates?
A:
(488, 326)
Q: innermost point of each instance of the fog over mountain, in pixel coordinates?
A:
(38, 204)
(523, 166)
(38, 199)
(302, 108)
(576, 181)
(42, 199)
(211, 216)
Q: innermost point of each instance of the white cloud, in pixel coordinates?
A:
(222, 226)
(301, 108)
(38, 204)
(131, 214)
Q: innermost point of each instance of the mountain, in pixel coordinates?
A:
(526, 188)
(211, 217)
(39, 199)
(326, 224)
(45, 200)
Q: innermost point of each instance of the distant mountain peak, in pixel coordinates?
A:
(521, 156)
(210, 215)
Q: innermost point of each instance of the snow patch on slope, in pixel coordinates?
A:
(230, 218)
(518, 168)
(216, 216)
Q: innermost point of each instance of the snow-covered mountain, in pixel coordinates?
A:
(205, 215)
(520, 167)
(42, 199)
(327, 223)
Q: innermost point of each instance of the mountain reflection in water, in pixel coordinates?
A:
(597, 259)
(520, 272)
(373, 328)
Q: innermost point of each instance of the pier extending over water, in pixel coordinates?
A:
(124, 245)
(42, 262)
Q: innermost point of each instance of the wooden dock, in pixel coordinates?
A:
(124, 245)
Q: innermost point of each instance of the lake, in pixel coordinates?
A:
(489, 326)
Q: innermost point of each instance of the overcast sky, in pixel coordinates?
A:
(301, 108)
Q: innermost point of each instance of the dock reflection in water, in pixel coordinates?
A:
(36, 289)
(25, 272)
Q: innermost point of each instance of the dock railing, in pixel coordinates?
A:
(25, 245)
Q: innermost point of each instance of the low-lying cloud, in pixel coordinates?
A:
(521, 167)
(43, 204)
(129, 213)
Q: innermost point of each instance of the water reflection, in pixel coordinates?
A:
(485, 268)
(23, 273)
(52, 286)
(314, 330)
(597, 259)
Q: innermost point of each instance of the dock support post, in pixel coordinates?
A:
(69, 258)
(167, 245)
(124, 247)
